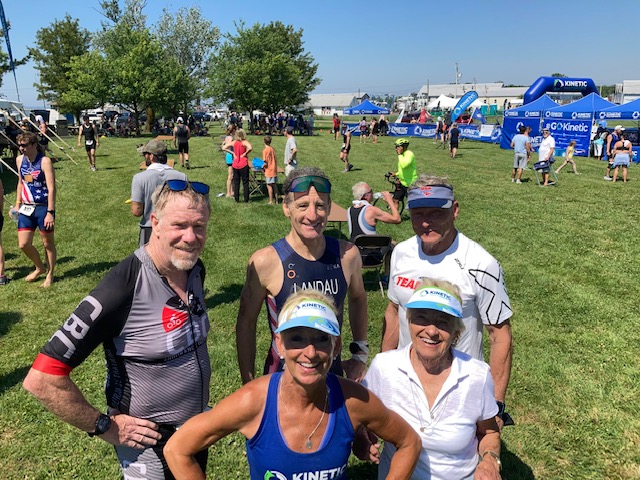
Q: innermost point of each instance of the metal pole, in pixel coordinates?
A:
(48, 137)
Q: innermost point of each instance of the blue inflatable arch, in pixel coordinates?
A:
(542, 85)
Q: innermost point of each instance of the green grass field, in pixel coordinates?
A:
(570, 255)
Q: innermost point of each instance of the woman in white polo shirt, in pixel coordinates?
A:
(444, 394)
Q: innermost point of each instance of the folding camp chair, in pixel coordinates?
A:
(538, 167)
(256, 176)
(373, 250)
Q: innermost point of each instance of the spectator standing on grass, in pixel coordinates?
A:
(521, 145)
(305, 258)
(270, 170)
(374, 129)
(545, 154)
(91, 140)
(241, 150)
(3, 278)
(439, 251)
(290, 153)
(336, 126)
(363, 130)
(454, 138)
(611, 141)
(568, 157)
(311, 123)
(145, 183)
(181, 135)
(346, 147)
(227, 148)
(622, 152)
(149, 315)
(36, 206)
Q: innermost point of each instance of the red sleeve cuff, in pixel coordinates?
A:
(46, 364)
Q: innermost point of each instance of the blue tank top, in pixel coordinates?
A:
(34, 184)
(270, 458)
(324, 274)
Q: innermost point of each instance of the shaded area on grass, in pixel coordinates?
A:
(11, 379)
(226, 295)
(7, 320)
(512, 464)
(87, 268)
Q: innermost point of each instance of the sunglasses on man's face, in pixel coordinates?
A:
(303, 184)
(181, 185)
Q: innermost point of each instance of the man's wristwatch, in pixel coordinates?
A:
(495, 456)
(359, 351)
(102, 425)
(504, 416)
(52, 212)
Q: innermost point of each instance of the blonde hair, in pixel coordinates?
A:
(164, 196)
(302, 295)
(458, 325)
(240, 135)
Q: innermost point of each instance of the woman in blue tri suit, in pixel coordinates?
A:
(299, 423)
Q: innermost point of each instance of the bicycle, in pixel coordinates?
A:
(395, 181)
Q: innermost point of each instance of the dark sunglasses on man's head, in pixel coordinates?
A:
(180, 185)
(303, 184)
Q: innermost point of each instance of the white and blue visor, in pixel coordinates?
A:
(431, 196)
(432, 298)
(311, 314)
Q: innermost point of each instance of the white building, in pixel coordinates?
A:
(330, 103)
(627, 91)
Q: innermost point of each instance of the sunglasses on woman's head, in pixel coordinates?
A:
(303, 184)
(181, 185)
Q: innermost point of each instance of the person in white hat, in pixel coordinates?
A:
(612, 140)
(301, 422)
(444, 394)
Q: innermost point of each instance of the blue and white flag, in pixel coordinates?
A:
(5, 31)
(464, 103)
(477, 115)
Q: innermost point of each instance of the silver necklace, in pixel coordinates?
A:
(434, 418)
(309, 443)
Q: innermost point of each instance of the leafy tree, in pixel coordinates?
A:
(263, 67)
(190, 39)
(55, 46)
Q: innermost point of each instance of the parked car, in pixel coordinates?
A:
(202, 116)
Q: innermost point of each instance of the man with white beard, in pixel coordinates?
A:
(150, 316)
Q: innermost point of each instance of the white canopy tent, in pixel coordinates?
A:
(443, 102)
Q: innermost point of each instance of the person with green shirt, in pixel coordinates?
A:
(407, 172)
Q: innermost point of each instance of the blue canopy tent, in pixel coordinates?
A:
(626, 111)
(366, 108)
(573, 122)
(528, 115)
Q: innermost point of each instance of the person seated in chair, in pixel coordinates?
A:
(362, 217)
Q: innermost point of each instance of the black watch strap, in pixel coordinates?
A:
(103, 423)
(504, 416)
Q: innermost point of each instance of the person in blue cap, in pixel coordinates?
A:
(440, 251)
(299, 423)
(444, 394)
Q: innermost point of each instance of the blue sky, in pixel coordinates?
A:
(386, 47)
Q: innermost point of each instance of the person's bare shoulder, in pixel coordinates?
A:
(265, 264)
